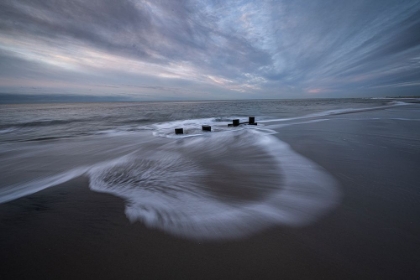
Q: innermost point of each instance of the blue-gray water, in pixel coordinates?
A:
(33, 122)
(228, 183)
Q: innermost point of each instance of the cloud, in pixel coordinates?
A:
(218, 49)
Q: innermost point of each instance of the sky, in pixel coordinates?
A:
(188, 50)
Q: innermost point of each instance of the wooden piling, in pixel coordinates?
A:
(179, 131)
(252, 121)
(206, 128)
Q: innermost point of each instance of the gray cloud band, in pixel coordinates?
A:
(254, 46)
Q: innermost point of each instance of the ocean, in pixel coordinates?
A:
(229, 183)
(319, 189)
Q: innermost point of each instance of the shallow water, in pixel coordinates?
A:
(227, 183)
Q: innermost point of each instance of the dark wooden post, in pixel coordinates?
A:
(206, 127)
(179, 131)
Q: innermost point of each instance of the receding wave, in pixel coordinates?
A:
(340, 112)
(224, 185)
(33, 186)
(221, 186)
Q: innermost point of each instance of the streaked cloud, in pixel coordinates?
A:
(210, 49)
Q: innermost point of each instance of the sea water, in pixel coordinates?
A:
(227, 183)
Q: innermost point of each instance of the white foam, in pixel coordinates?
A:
(192, 127)
(193, 187)
(270, 127)
(168, 189)
(32, 167)
(337, 112)
(23, 189)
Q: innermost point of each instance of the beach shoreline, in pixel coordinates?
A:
(68, 231)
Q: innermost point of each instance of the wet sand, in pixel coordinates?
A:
(71, 232)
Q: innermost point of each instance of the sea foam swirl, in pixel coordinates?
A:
(224, 184)
(218, 186)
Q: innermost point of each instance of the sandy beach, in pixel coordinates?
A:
(219, 140)
(71, 232)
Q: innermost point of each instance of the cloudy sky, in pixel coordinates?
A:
(215, 49)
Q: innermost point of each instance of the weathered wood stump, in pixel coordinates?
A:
(206, 128)
(236, 122)
(252, 121)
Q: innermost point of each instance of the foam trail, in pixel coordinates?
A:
(33, 186)
(36, 166)
(280, 125)
(339, 112)
(223, 186)
(192, 127)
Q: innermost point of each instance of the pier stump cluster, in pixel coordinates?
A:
(235, 122)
